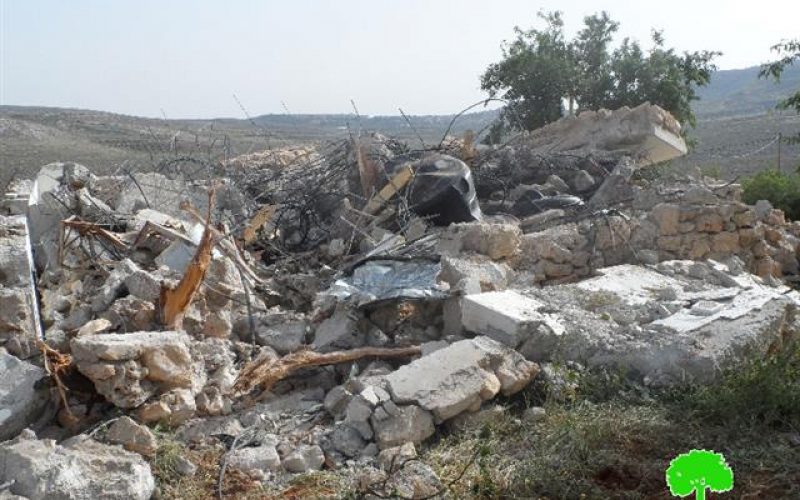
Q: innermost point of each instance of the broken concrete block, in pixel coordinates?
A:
(347, 440)
(177, 256)
(16, 316)
(129, 368)
(490, 275)
(303, 459)
(218, 325)
(357, 415)
(173, 408)
(393, 459)
(14, 267)
(340, 331)
(130, 314)
(558, 183)
(497, 241)
(143, 285)
(508, 317)
(583, 181)
(94, 326)
(667, 218)
(336, 401)
(132, 436)
(211, 401)
(408, 424)
(77, 468)
(460, 377)
(21, 403)
(285, 337)
(114, 286)
(262, 458)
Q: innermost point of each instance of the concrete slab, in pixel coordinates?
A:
(663, 325)
(507, 316)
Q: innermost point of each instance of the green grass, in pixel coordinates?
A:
(615, 440)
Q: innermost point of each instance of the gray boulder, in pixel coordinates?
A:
(78, 469)
(21, 404)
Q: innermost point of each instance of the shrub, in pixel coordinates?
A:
(779, 188)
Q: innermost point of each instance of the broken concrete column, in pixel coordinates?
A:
(46, 210)
(19, 312)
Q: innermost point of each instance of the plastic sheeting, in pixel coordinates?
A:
(380, 280)
(443, 191)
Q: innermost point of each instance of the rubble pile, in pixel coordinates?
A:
(302, 309)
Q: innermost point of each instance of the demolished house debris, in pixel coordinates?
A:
(332, 307)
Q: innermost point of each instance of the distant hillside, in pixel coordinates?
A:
(32, 136)
(429, 127)
(739, 92)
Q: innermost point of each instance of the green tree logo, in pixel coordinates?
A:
(697, 470)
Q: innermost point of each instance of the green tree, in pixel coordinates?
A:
(537, 71)
(541, 70)
(788, 52)
(696, 471)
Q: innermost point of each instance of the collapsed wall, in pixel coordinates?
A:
(697, 223)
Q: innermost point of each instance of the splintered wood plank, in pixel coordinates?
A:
(265, 372)
(395, 184)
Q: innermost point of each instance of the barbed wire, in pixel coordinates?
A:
(756, 151)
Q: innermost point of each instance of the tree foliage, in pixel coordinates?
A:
(788, 52)
(541, 70)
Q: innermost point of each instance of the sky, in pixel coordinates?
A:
(188, 58)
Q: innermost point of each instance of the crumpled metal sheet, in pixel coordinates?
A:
(379, 280)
